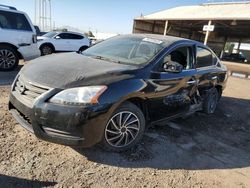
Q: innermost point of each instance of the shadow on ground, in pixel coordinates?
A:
(218, 141)
(8, 181)
(7, 77)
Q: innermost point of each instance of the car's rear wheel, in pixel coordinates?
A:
(83, 48)
(124, 129)
(46, 49)
(8, 58)
(211, 101)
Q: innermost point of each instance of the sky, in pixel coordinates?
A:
(110, 16)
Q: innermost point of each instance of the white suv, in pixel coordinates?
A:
(17, 38)
(62, 42)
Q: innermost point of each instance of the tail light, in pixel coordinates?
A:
(34, 38)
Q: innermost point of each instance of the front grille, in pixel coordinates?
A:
(25, 121)
(28, 90)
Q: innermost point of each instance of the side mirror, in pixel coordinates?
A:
(57, 37)
(172, 66)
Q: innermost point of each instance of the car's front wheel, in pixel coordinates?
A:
(124, 129)
(46, 49)
(8, 58)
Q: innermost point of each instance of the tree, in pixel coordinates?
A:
(89, 34)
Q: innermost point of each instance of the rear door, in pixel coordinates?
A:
(15, 29)
(173, 91)
(206, 69)
(77, 41)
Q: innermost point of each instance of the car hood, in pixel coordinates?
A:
(42, 38)
(67, 70)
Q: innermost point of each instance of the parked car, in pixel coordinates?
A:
(17, 38)
(112, 91)
(38, 31)
(235, 57)
(62, 42)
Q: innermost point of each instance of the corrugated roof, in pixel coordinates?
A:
(219, 11)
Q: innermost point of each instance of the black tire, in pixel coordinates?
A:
(211, 100)
(82, 49)
(46, 49)
(128, 131)
(8, 58)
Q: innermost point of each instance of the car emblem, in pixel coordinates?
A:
(21, 89)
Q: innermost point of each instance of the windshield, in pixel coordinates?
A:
(127, 50)
(50, 34)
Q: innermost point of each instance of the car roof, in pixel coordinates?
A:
(166, 39)
(71, 32)
(12, 9)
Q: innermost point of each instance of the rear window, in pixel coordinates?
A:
(70, 36)
(15, 21)
(204, 58)
(74, 36)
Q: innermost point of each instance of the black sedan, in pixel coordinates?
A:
(112, 91)
(238, 57)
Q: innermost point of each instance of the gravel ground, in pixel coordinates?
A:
(201, 151)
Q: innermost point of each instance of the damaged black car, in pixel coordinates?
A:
(111, 92)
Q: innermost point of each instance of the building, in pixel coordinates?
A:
(231, 23)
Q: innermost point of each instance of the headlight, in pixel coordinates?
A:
(79, 95)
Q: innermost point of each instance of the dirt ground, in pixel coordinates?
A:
(201, 151)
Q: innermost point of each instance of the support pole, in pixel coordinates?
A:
(166, 27)
(238, 48)
(207, 33)
(35, 12)
(134, 26)
(224, 45)
(39, 13)
(50, 16)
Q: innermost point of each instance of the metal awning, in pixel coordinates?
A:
(210, 11)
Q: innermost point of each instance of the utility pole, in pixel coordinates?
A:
(43, 14)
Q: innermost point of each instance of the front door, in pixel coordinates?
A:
(63, 42)
(173, 91)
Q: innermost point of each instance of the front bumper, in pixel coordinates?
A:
(66, 125)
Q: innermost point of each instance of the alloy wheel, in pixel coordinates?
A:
(46, 50)
(7, 59)
(122, 129)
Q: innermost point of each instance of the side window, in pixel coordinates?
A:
(70, 36)
(204, 58)
(64, 36)
(77, 37)
(15, 21)
(182, 55)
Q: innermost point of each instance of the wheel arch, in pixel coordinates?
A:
(12, 46)
(140, 102)
(84, 47)
(48, 44)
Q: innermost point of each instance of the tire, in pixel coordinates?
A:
(82, 49)
(46, 49)
(211, 101)
(127, 131)
(8, 58)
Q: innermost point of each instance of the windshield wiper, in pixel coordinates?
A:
(106, 59)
